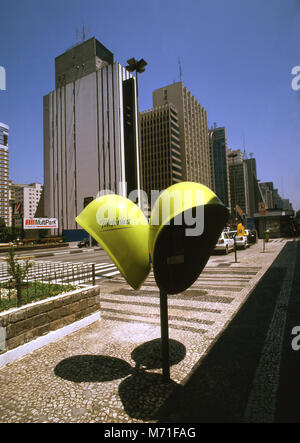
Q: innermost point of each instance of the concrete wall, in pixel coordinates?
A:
(21, 325)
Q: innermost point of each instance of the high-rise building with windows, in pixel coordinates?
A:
(254, 191)
(266, 189)
(160, 148)
(27, 198)
(220, 165)
(238, 182)
(90, 132)
(193, 131)
(4, 173)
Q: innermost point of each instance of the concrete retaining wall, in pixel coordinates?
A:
(21, 325)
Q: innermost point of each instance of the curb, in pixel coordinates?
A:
(51, 254)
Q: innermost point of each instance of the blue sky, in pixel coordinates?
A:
(236, 59)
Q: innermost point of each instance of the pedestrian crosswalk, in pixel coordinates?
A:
(200, 309)
(203, 308)
(106, 270)
(63, 272)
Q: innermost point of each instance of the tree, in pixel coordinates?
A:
(18, 272)
(2, 230)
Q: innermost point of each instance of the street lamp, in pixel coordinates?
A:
(139, 67)
(135, 65)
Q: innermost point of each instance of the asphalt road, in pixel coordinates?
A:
(74, 255)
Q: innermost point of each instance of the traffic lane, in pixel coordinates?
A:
(30, 252)
(81, 257)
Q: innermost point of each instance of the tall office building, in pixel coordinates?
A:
(27, 198)
(90, 132)
(238, 178)
(266, 189)
(220, 165)
(160, 148)
(272, 198)
(278, 204)
(255, 195)
(193, 131)
(4, 173)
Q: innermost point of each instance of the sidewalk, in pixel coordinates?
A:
(251, 374)
(110, 371)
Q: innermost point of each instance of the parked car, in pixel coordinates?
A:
(86, 242)
(232, 234)
(241, 241)
(251, 236)
(225, 243)
(83, 243)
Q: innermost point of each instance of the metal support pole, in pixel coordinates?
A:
(164, 336)
(93, 274)
(264, 234)
(235, 254)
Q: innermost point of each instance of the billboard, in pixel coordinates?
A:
(17, 210)
(262, 208)
(40, 223)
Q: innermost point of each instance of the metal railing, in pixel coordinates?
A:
(44, 279)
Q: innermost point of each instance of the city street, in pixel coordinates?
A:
(226, 350)
(117, 135)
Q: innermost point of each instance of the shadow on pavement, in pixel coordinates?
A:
(219, 388)
(142, 393)
(92, 368)
(148, 354)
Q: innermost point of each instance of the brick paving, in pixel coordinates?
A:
(110, 371)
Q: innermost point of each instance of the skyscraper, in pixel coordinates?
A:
(90, 132)
(4, 173)
(238, 182)
(254, 191)
(27, 197)
(266, 189)
(219, 164)
(160, 148)
(193, 131)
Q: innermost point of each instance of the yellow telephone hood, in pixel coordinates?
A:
(186, 222)
(121, 228)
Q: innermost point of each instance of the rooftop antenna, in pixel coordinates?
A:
(77, 35)
(180, 69)
(83, 33)
(245, 157)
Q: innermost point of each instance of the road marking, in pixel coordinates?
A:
(261, 407)
(111, 273)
